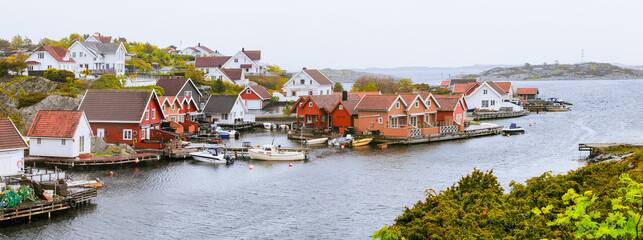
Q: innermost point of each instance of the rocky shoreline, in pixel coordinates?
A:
(581, 71)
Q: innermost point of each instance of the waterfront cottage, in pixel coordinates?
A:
(316, 109)
(46, 57)
(207, 64)
(60, 134)
(308, 82)
(247, 60)
(225, 110)
(489, 96)
(255, 97)
(392, 115)
(122, 116)
(180, 87)
(343, 115)
(12, 149)
(231, 75)
(171, 106)
(452, 111)
(527, 93)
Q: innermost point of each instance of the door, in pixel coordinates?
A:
(100, 132)
(330, 121)
(253, 104)
(414, 121)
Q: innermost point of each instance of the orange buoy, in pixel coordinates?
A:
(136, 161)
(507, 135)
(251, 167)
(290, 165)
(519, 133)
(530, 124)
(534, 122)
(341, 146)
(383, 146)
(111, 174)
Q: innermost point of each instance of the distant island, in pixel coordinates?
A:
(349, 76)
(589, 70)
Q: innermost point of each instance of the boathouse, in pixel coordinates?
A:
(180, 87)
(316, 109)
(343, 115)
(60, 134)
(527, 93)
(255, 97)
(397, 115)
(12, 149)
(452, 111)
(122, 116)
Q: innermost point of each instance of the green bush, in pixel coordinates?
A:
(58, 75)
(107, 81)
(158, 89)
(31, 99)
(269, 82)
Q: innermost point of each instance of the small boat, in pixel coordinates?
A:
(216, 140)
(85, 183)
(284, 126)
(558, 100)
(267, 125)
(271, 153)
(361, 142)
(212, 155)
(513, 129)
(316, 141)
(341, 141)
(226, 133)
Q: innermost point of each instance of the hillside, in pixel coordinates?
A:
(590, 70)
(347, 76)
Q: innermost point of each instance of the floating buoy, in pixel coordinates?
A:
(251, 167)
(530, 124)
(341, 146)
(136, 160)
(111, 174)
(383, 146)
(290, 165)
(519, 133)
(507, 135)
(534, 122)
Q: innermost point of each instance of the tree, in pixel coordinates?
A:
(338, 87)
(17, 41)
(107, 81)
(370, 87)
(405, 85)
(274, 68)
(218, 86)
(58, 75)
(286, 110)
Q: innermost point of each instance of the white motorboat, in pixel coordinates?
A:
(513, 129)
(316, 141)
(212, 155)
(267, 125)
(226, 133)
(271, 153)
(341, 141)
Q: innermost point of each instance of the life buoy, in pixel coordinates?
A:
(20, 163)
(134, 133)
(73, 203)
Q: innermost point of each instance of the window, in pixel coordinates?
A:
(380, 120)
(294, 93)
(394, 122)
(493, 102)
(236, 60)
(248, 91)
(172, 106)
(143, 134)
(30, 68)
(458, 118)
(188, 93)
(310, 92)
(327, 91)
(417, 104)
(310, 104)
(81, 143)
(147, 115)
(224, 116)
(173, 119)
(300, 104)
(63, 141)
(341, 107)
(163, 107)
(48, 66)
(73, 54)
(414, 121)
(127, 134)
(153, 113)
(323, 118)
(302, 81)
(428, 102)
(484, 91)
(38, 140)
(397, 105)
(485, 103)
(309, 119)
(41, 55)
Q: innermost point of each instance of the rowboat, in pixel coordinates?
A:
(316, 141)
(361, 142)
(271, 153)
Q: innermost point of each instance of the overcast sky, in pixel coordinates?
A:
(355, 34)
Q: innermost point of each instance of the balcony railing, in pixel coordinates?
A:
(102, 71)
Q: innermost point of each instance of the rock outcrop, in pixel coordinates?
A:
(51, 102)
(579, 71)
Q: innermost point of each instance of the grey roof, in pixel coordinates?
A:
(101, 48)
(220, 103)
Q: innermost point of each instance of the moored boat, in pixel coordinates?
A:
(271, 153)
(513, 129)
(361, 142)
(212, 155)
(226, 133)
(316, 141)
(341, 141)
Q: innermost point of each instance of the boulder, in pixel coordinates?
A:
(98, 144)
(51, 102)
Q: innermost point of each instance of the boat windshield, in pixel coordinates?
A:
(216, 151)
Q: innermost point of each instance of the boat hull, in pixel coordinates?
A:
(361, 142)
(256, 154)
(316, 141)
(513, 131)
(207, 158)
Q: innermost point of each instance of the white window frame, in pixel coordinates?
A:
(341, 107)
(310, 104)
(492, 103)
(485, 103)
(248, 91)
(127, 134)
(428, 102)
(414, 121)
(63, 142)
(380, 120)
(147, 115)
(224, 116)
(38, 140)
(417, 104)
(397, 105)
(143, 134)
(188, 93)
(309, 119)
(484, 91)
(323, 119)
(81, 144)
(153, 113)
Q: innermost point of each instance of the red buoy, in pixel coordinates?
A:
(290, 165)
(251, 167)
(111, 174)
(136, 161)
(507, 135)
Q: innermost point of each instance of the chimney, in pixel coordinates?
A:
(243, 49)
(344, 95)
(198, 44)
(304, 68)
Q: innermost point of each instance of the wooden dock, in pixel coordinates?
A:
(467, 133)
(242, 152)
(77, 197)
(598, 148)
(95, 160)
(494, 115)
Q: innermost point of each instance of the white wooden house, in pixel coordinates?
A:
(232, 75)
(46, 57)
(12, 149)
(247, 60)
(225, 109)
(489, 96)
(308, 82)
(60, 134)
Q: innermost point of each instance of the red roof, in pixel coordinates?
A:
(232, 73)
(462, 87)
(376, 102)
(245, 66)
(104, 39)
(506, 86)
(527, 91)
(444, 83)
(210, 61)
(32, 63)
(261, 91)
(206, 49)
(56, 124)
(409, 97)
(254, 55)
(318, 77)
(328, 102)
(10, 138)
(447, 102)
(57, 52)
(497, 88)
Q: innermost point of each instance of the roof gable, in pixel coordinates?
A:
(211, 61)
(116, 105)
(56, 124)
(260, 91)
(377, 102)
(10, 137)
(505, 86)
(220, 103)
(254, 55)
(319, 77)
(232, 73)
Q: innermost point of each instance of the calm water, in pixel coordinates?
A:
(338, 194)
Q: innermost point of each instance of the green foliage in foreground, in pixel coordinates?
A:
(545, 207)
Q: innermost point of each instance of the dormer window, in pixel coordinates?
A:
(248, 91)
(341, 107)
(417, 104)
(397, 105)
(310, 104)
(428, 103)
(484, 91)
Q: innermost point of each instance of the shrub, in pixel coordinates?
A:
(107, 81)
(58, 75)
(158, 89)
(31, 99)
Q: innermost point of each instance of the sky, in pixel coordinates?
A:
(348, 34)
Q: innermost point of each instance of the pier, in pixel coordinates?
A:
(95, 160)
(472, 131)
(493, 115)
(76, 197)
(242, 152)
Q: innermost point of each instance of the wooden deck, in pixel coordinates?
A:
(76, 197)
(476, 131)
(95, 160)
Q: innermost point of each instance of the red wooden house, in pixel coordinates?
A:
(316, 109)
(453, 110)
(343, 115)
(122, 116)
(255, 97)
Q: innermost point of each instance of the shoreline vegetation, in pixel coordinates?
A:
(601, 200)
